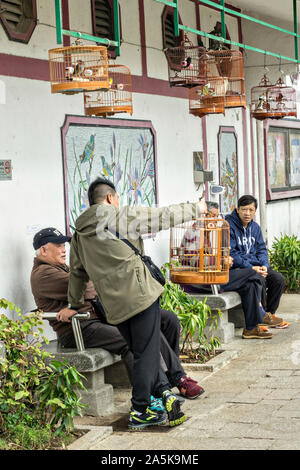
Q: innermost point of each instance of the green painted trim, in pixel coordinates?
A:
(223, 19)
(58, 16)
(247, 17)
(176, 19)
(88, 37)
(296, 29)
(238, 44)
(117, 26)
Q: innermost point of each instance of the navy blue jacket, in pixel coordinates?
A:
(247, 246)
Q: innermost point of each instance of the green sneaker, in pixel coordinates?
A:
(172, 405)
(140, 421)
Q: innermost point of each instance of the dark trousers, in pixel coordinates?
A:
(99, 334)
(169, 346)
(273, 286)
(249, 285)
(142, 333)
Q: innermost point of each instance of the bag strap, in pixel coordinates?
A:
(137, 252)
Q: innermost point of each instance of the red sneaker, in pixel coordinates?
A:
(189, 388)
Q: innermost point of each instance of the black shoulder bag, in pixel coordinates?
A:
(154, 270)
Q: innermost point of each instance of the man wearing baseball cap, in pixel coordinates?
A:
(49, 285)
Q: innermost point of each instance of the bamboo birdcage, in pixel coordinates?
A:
(229, 64)
(208, 98)
(78, 68)
(185, 64)
(273, 101)
(199, 252)
(117, 99)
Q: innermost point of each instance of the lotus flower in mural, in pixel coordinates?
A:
(135, 185)
(150, 169)
(88, 151)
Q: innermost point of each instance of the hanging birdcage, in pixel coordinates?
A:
(117, 99)
(78, 68)
(229, 64)
(208, 98)
(273, 101)
(185, 64)
(199, 252)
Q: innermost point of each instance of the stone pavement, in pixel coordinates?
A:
(251, 403)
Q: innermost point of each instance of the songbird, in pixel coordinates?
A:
(187, 63)
(120, 86)
(88, 73)
(107, 169)
(228, 167)
(79, 67)
(88, 150)
(69, 72)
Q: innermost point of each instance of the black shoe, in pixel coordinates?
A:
(141, 421)
(172, 405)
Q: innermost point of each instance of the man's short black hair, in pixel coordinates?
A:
(246, 200)
(212, 204)
(99, 189)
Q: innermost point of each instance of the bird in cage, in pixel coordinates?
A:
(120, 86)
(79, 68)
(69, 71)
(262, 101)
(187, 63)
(89, 149)
(88, 73)
(207, 90)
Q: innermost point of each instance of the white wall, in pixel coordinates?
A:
(30, 135)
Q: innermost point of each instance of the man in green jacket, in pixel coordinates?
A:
(127, 291)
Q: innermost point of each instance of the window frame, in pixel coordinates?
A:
(170, 11)
(16, 36)
(287, 127)
(111, 50)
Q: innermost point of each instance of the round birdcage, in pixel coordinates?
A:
(117, 99)
(185, 64)
(208, 98)
(199, 252)
(78, 68)
(273, 101)
(229, 64)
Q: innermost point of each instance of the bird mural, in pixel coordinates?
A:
(107, 168)
(228, 167)
(89, 150)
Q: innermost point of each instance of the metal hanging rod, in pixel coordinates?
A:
(221, 6)
(60, 32)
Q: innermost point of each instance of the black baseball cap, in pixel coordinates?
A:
(49, 235)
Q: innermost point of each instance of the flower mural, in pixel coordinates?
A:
(125, 156)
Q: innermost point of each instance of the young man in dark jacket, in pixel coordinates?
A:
(248, 250)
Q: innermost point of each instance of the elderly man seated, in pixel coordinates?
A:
(49, 284)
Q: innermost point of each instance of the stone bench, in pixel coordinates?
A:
(102, 369)
(232, 314)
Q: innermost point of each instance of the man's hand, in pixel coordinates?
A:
(230, 261)
(262, 270)
(65, 314)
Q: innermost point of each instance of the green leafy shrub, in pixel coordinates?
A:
(35, 391)
(193, 316)
(285, 258)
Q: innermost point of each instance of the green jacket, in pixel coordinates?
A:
(122, 281)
